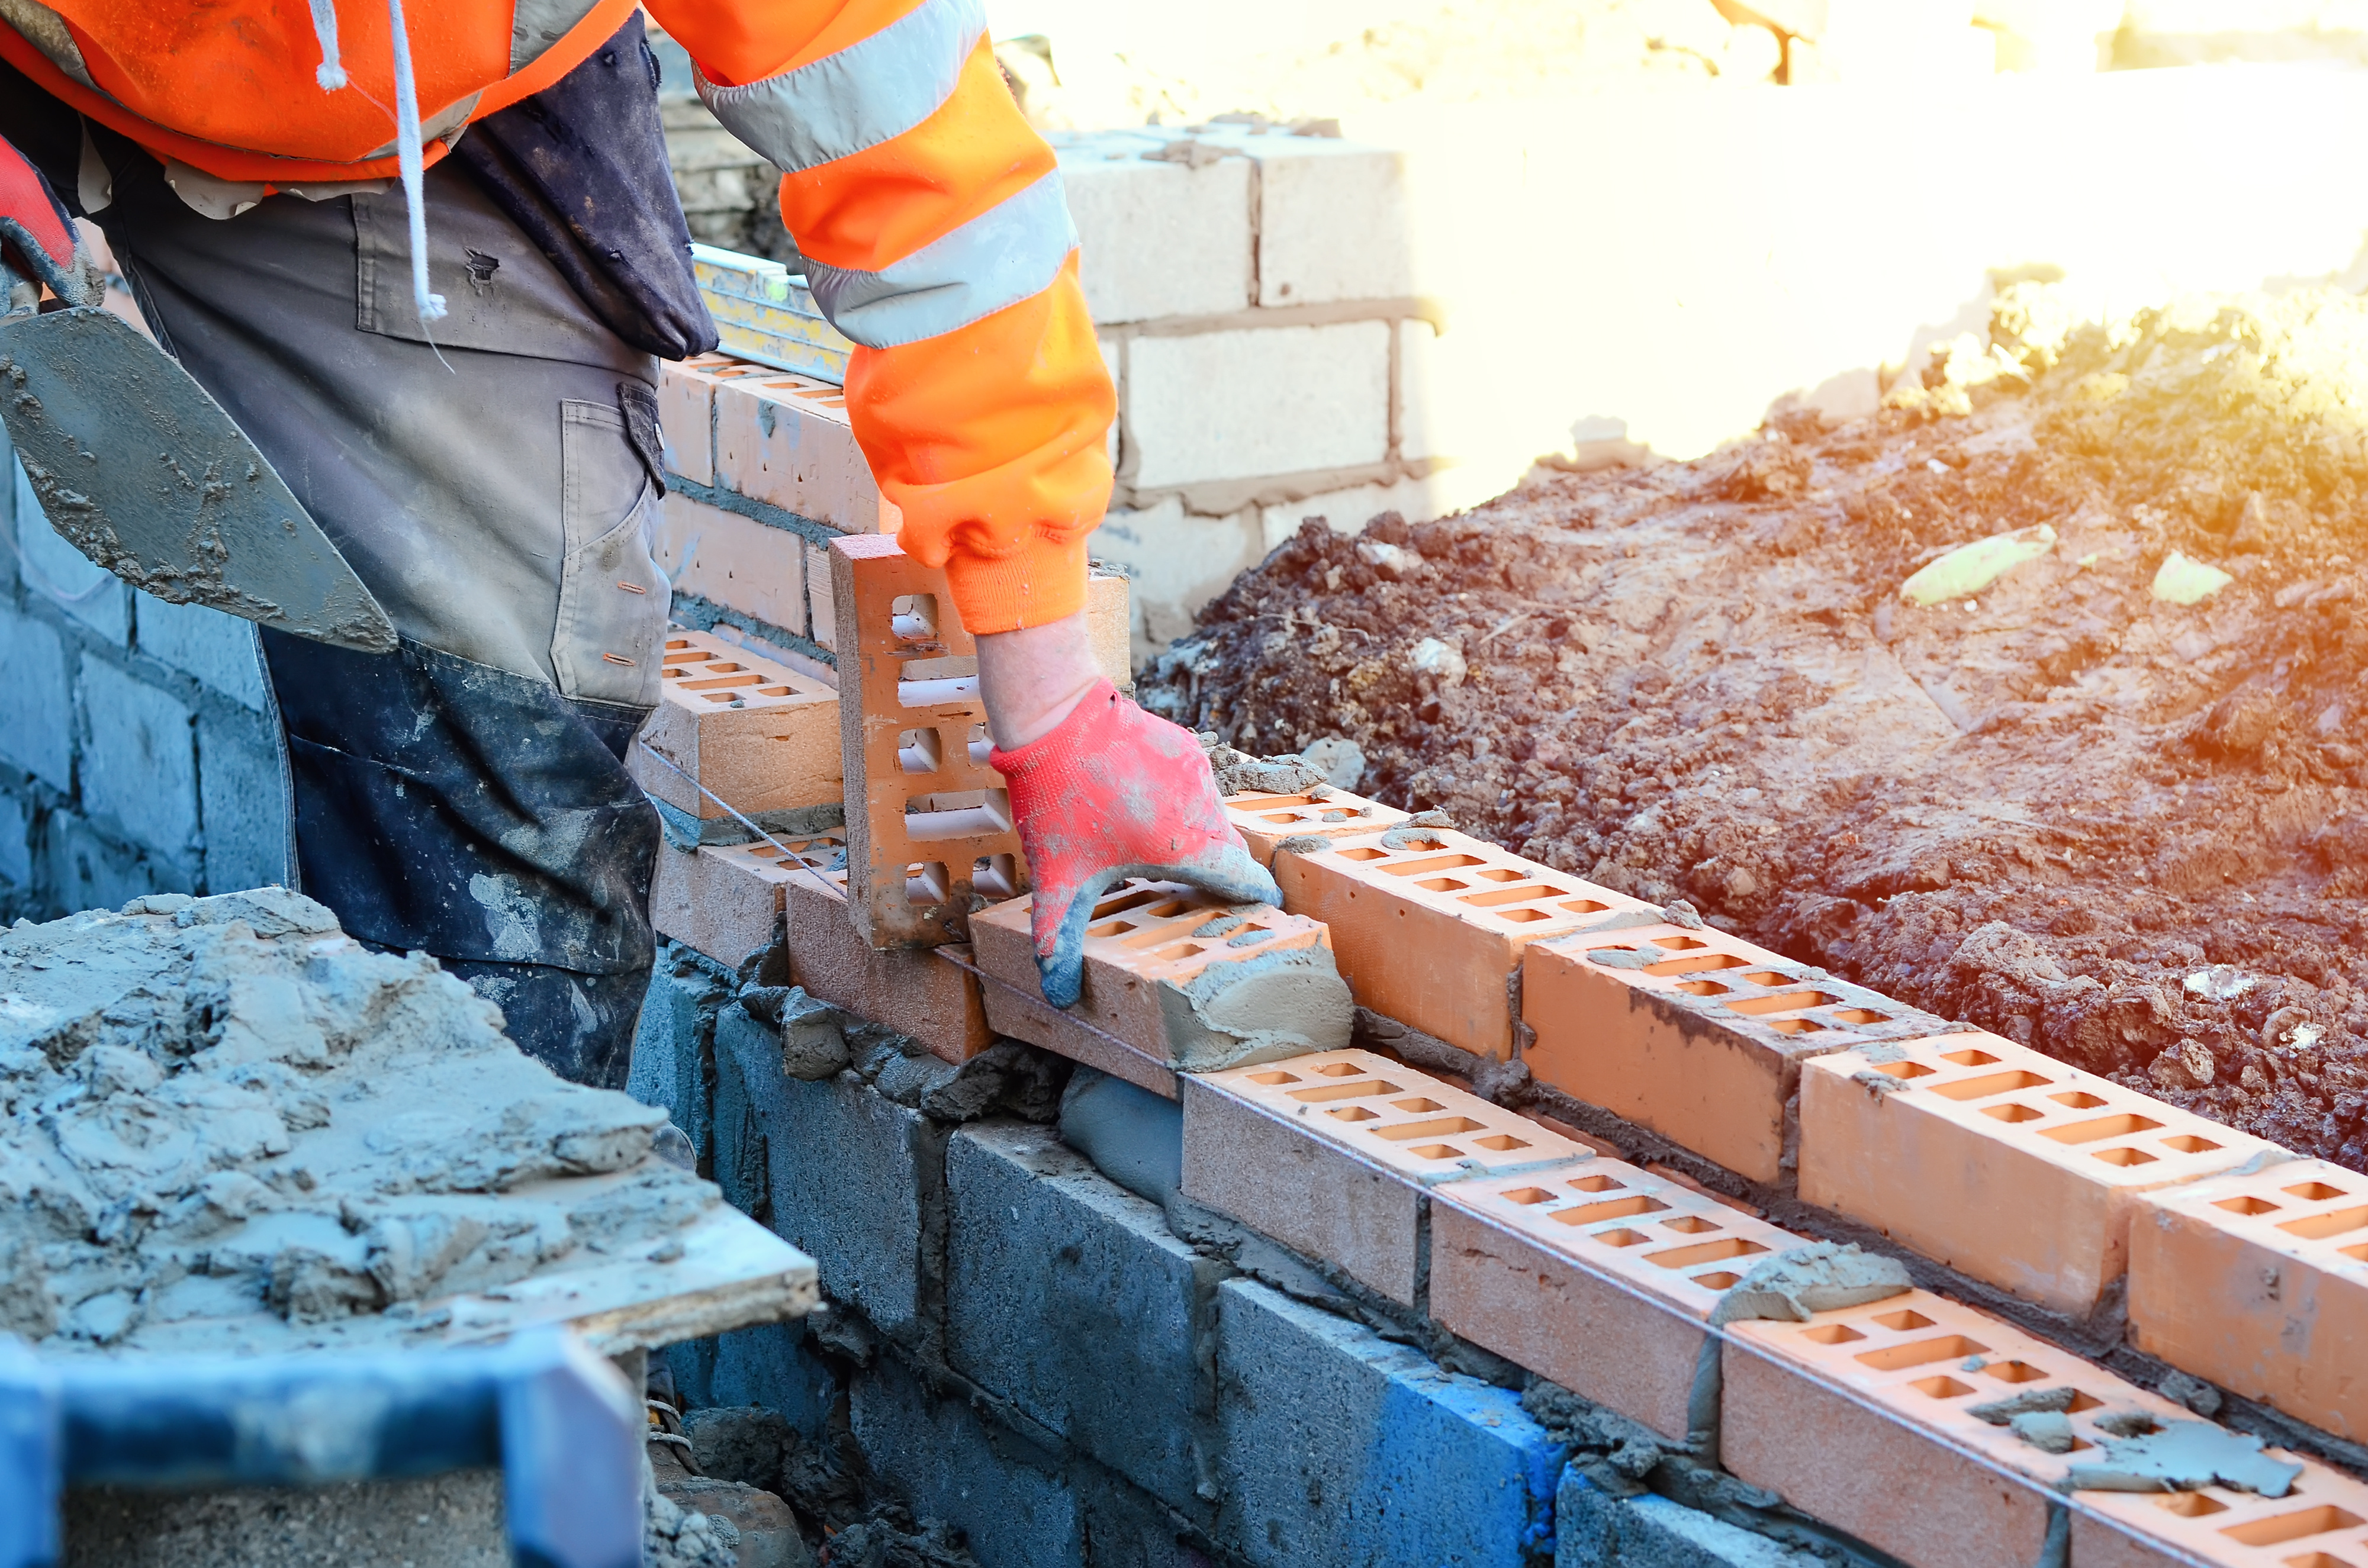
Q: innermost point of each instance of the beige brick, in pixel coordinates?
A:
(756, 734)
(1159, 239)
(735, 562)
(785, 440)
(1251, 402)
(910, 990)
(1178, 562)
(1108, 611)
(1334, 221)
(687, 416)
(818, 598)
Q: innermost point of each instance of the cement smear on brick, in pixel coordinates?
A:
(231, 1128)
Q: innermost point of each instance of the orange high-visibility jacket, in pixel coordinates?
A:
(930, 214)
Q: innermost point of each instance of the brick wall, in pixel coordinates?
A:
(136, 753)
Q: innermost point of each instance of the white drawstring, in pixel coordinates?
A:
(409, 155)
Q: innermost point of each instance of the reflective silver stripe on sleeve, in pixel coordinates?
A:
(866, 94)
(46, 30)
(535, 25)
(1009, 252)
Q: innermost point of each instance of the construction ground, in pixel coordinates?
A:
(1810, 740)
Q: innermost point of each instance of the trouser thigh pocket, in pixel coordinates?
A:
(613, 598)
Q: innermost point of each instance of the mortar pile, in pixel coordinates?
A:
(2106, 802)
(230, 1127)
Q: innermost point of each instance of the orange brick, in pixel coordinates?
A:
(1332, 1153)
(757, 733)
(910, 990)
(2259, 1283)
(725, 899)
(687, 416)
(1429, 925)
(1998, 1161)
(1695, 1034)
(1546, 1270)
(912, 745)
(2321, 1523)
(1265, 820)
(1908, 1487)
(1184, 1000)
(784, 439)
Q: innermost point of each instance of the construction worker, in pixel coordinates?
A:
(426, 266)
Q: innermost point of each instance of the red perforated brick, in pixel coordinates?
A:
(1331, 1154)
(1429, 925)
(1998, 1161)
(1533, 1269)
(1186, 980)
(1265, 820)
(2259, 1283)
(1693, 1033)
(760, 735)
(911, 990)
(2321, 1523)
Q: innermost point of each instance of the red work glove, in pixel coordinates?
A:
(38, 241)
(1112, 794)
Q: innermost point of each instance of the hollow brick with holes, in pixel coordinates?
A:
(2322, 1522)
(1548, 1270)
(686, 415)
(1334, 1154)
(784, 439)
(2259, 1282)
(756, 732)
(1998, 1161)
(910, 990)
(1161, 967)
(1694, 1034)
(1265, 820)
(1899, 1480)
(1429, 925)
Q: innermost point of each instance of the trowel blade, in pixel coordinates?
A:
(146, 475)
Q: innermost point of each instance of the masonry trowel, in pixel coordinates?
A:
(142, 472)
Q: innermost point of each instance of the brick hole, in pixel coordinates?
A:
(980, 745)
(1620, 1238)
(1416, 1104)
(1718, 1279)
(2122, 1126)
(913, 618)
(1585, 906)
(1435, 1151)
(2015, 1373)
(2358, 1254)
(674, 643)
(1118, 904)
(1526, 1196)
(920, 751)
(1948, 1347)
(1510, 895)
(1500, 874)
(1993, 1083)
(1690, 1225)
(2248, 1205)
(1668, 967)
(1942, 1387)
(722, 681)
(1434, 863)
(1344, 1070)
(2079, 1101)
(2125, 1156)
(1598, 1184)
(1968, 1058)
(1706, 1252)
(2188, 1143)
(1439, 1126)
(1343, 1092)
(2317, 1560)
(1704, 988)
(1181, 950)
(2318, 1227)
(926, 884)
(1364, 854)
(1831, 1334)
(1501, 1142)
(1442, 884)
(996, 877)
(1609, 1208)
(1904, 1070)
(1678, 944)
(1770, 977)
(1273, 1079)
(2296, 1525)
(717, 695)
(1168, 910)
(2315, 1192)
(1907, 1320)
(1523, 916)
(773, 691)
(1787, 1001)
(2191, 1505)
(1279, 817)
(1354, 1113)
(1113, 928)
(670, 672)
(1794, 1026)
(1862, 1015)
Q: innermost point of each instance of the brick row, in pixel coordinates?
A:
(1265, 820)
(777, 437)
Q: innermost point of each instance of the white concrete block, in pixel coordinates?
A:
(735, 562)
(140, 758)
(243, 803)
(36, 705)
(64, 575)
(1334, 220)
(216, 648)
(1159, 239)
(1238, 404)
(15, 840)
(1176, 563)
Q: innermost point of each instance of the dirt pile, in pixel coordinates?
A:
(2127, 831)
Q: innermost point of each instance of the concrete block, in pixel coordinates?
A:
(35, 704)
(2256, 1283)
(1178, 562)
(687, 416)
(1332, 1153)
(1159, 239)
(1008, 1496)
(15, 843)
(674, 1045)
(1897, 1480)
(1264, 821)
(757, 733)
(1341, 1447)
(80, 866)
(1189, 981)
(1429, 925)
(735, 560)
(451, 1521)
(53, 569)
(1600, 1276)
(1072, 1298)
(243, 803)
(1595, 1529)
(910, 990)
(139, 757)
(773, 1365)
(1334, 221)
(785, 440)
(1996, 1159)
(2322, 1522)
(836, 1170)
(219, 650)
(1696, 1034)
(1251, 402)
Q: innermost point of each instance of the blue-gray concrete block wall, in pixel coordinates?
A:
(137, 750)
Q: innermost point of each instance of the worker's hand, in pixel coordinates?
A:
(38, 241)
(1110, 792)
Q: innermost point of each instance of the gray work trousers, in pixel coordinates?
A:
(493, 479)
